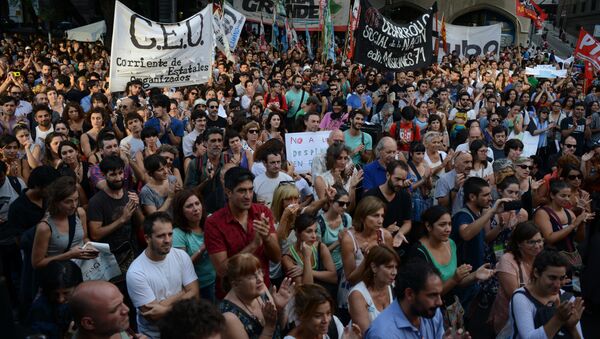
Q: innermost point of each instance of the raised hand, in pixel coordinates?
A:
(282, 296)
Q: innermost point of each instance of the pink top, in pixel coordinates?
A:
(499, 313)
(328, 124)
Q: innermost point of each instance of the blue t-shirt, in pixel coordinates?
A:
(469, 252)
(354, 141)
(354, 101)
(176, 127)
(374, 175)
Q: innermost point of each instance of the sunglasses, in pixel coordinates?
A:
(287, 182)
(494, 120)
(575, 176)
(253, 131)
(526, 167)
(211, 106)
(570, 146)
(343, 203)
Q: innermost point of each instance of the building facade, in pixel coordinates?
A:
(573, 14)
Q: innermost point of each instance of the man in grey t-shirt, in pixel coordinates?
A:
(448, 189)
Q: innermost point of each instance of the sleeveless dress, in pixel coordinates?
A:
(252, 326)
(361, 288)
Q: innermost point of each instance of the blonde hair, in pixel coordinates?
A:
(429, 136)
(281, 193)
(367, 206)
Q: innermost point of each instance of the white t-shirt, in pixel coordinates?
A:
(188, 142)
(8, 195)
(471, 115)
(264, 187)
(149, 280)
(465, 148)
(135, 145)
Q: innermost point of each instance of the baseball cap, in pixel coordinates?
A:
(199, 102)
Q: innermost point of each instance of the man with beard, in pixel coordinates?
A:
(160, 276)
(360, 100)
(112, 213)
(209, 165)
(108, 146)
(469, 228)
(42, 116)
(448, 189)
(241, 226)
(170, 130)
(578, 127)
(359, 142)
(499, 134)
(416, 311)
(393, 192)
(23, 107)
(296, 98)
(214, 120)
(99, 311)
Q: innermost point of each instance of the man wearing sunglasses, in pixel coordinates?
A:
(578, 127)
(214, 119)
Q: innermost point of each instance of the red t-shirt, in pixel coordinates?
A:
(223, 233)
(278, 100)
(408, 132)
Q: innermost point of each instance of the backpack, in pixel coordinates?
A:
(322, 226)
(15, 183)
(543, 313)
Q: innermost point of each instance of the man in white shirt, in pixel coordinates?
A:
(266, 183)
(160, 276)
(198, 118)
(474, 134)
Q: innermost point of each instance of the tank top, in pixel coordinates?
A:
(59, 241)
(361, 288)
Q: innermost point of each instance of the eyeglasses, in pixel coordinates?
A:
(253, 131)
(535, 242)
(343, 203)
(570, 145)
(575, 176)
(526, 167)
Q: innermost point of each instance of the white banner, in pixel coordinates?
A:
(546, 71)
(468, 40)
(301, 148)
(229, 27)
(301, 11)
(160, 54)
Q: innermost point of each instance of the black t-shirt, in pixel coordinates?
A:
(398, 210)
(498, 153)
(220, 122)
(104, 208)
(23, 214)
(578, 133)
(398, 89)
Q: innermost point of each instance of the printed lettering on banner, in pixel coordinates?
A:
(160, 54)
(302, 147)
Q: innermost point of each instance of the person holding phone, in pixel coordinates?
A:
(541, 309)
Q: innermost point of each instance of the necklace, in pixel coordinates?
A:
(250, 313)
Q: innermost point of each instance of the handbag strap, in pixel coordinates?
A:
(72, 226)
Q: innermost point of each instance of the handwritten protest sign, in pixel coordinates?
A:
(387, 46)
(301, 148)
(160, 54)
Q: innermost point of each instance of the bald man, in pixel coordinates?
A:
(99, 311)
(375, 172)
(448, 189)
(318, 166)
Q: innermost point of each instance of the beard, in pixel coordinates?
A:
(423, 312)
(297, 86)
(114, 185)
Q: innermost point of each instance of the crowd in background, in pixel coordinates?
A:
(430, 215)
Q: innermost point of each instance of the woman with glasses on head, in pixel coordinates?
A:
(9, 153)
(74, 116)
(541, 309)
(514, 269)
(250, 311)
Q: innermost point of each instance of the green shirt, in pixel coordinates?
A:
(191, 242)
(447, 271)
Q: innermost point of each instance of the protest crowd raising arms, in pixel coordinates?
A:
(220, 182)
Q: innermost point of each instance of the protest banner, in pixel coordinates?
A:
(228, 27)
(301, 148)
(303, 13)
(546, 71)
(160, 54)
(588, 49)
(467, 40)
(382, 44)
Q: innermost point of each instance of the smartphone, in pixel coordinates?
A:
(514, 205)
(16, 74)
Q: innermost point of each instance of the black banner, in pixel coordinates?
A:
(382, 44)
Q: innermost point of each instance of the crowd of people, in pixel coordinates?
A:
(430, 215)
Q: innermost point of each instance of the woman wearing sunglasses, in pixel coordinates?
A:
(250, 134)
(527, 185)
(580, 199)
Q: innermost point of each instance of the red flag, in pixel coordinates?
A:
(443, 33)
(541, 15)
(588, 49)
(527, 9)
(588, 76)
